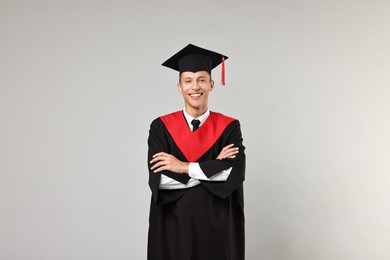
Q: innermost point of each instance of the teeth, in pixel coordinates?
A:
(196, 95)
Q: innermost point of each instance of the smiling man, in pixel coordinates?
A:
(196, 164)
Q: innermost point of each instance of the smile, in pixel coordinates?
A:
(195, 94)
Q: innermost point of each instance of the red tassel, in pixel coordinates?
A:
(223, 72)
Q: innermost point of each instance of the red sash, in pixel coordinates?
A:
(194, 144)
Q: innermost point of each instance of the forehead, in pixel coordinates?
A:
(189, 74)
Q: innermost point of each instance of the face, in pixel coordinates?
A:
(195, 88)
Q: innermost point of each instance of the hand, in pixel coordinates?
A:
(167, 162)
(228, 152)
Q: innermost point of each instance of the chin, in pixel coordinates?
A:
(197, 106)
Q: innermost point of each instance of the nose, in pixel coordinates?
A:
(195, 86)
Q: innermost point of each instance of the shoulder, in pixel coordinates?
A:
(159, 121)
(221, 117)
(228, 124)
(173, 114)
(156, 124)
(233, 126)
(172, 117)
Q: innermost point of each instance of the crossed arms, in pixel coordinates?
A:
(164, 161)
(222, 174)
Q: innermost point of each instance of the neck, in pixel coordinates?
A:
(195, 112)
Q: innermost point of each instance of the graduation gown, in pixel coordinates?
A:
(205, 222)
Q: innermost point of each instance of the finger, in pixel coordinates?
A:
(160, 169)
(227, 147)
(154, 160)
(230, 154)
(159, 158)
(233, 155)
(159, 164)
(159, 154)
(230, 151)
(233, 152)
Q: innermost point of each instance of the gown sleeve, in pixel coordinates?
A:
(232, 135)
(157, 142)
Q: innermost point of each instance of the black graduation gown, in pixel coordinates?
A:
(205, 222)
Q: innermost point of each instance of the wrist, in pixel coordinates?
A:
(186, 166)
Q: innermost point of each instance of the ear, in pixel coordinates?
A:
(179, 88)
(212, 85)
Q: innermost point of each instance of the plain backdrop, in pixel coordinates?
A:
(80, 82)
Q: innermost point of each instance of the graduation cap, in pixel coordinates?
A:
(193, 58)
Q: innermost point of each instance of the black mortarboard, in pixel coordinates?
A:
(193, 58)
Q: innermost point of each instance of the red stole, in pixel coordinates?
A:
(194, 144)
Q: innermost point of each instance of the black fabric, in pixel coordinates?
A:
(193, 58)
(205, 222)
(195, 123)
(195, 62)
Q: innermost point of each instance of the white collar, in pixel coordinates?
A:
(202, 118)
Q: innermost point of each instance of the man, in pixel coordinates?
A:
(196, 165)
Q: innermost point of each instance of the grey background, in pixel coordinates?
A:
(80, 82)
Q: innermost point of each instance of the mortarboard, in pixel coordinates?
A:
(193, 58)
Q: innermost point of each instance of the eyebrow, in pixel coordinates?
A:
(200, 77)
